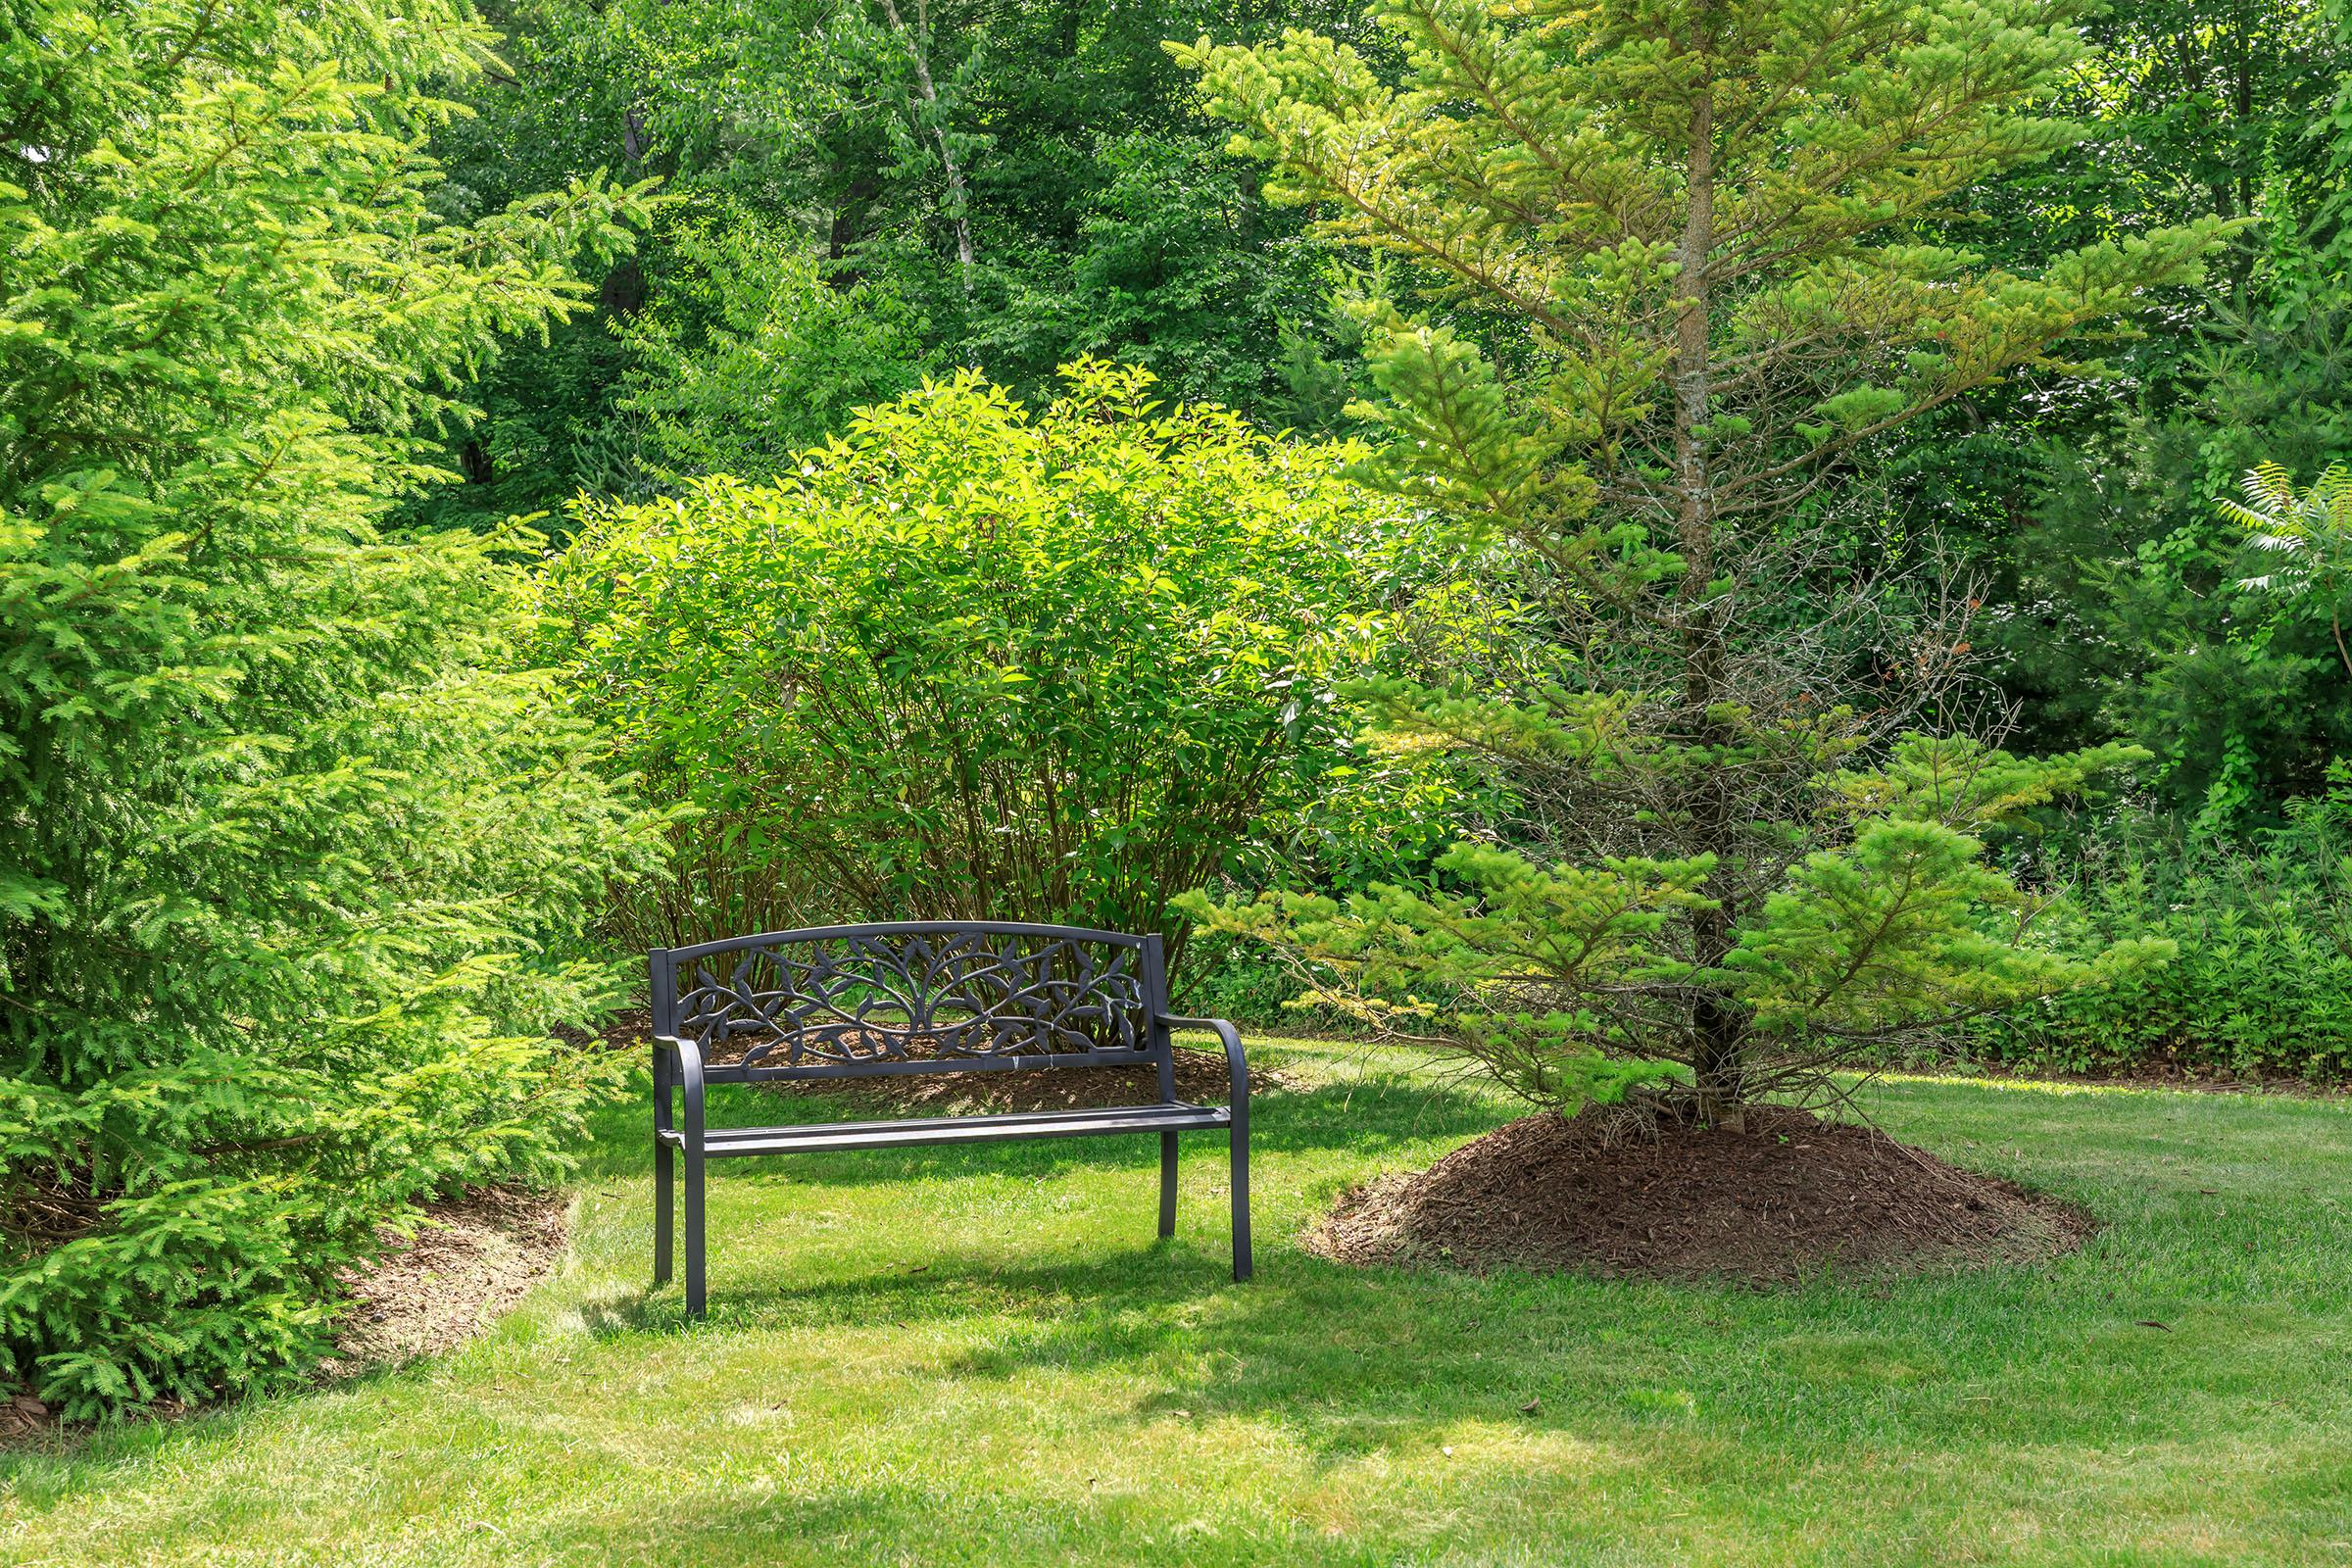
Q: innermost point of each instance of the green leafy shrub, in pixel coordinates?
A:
(1241, 982)
(973, 661)
(294, 865)
(2261, 981)
(750, 354)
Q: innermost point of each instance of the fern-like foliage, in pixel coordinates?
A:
(2307, 533)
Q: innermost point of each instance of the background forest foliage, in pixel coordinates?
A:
(1008, 186)
(1005, 186)
(328, 788)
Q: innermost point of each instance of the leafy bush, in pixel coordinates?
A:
(1227, 978)
(2261, 983)
(293, 866)
(751, 355)
(970, 662)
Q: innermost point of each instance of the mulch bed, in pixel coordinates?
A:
(2192, 1078)
(1788, 1197)
(21, 1418)
(474, 1257)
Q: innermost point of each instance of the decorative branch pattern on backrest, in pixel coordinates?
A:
(868, 998)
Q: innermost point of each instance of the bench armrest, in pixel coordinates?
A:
(1234, 1058)
(678, 1061)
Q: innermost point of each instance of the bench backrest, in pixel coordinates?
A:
(865, 1001)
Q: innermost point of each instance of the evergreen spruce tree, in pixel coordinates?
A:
(1692, 257)
(294, 860)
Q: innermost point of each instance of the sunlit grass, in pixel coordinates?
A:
(981, 1355)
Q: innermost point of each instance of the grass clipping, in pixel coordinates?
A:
(1788, 1197)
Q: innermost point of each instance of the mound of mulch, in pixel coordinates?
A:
(473, 1257)
(1787, 1197)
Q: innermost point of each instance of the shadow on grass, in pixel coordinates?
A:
(1509, 1389)
(880, 1522)
(1346, 1360)
(760, 1289)
(1349, 1362)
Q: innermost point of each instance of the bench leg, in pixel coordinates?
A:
(665, 1163)
(694, 1231)
(1241, 1195)
(1167, 1184)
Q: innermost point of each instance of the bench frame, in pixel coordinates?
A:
(917, 996)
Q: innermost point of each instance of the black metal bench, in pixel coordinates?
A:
(877, 1000)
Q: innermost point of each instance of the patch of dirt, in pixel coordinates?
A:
(22, 1416)
(473, 1257)
(1786, 1197)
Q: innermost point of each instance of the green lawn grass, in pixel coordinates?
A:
(981, 1355)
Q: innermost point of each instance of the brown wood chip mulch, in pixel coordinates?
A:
(1787, 1197)
(474, 1257)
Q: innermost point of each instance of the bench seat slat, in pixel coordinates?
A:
(1173, 1116)
(1084, 1112)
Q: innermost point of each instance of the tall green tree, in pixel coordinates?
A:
(1700, 237)
(749, 354)
(295, 859)
(2117, 607)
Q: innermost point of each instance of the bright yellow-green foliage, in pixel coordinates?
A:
(292, 864)
(1688, 252)
(974, 661)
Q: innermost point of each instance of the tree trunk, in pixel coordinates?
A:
(1722, 1082)
(1695, 523)
(1718, 1023)
(958, 196)
(622, 291)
